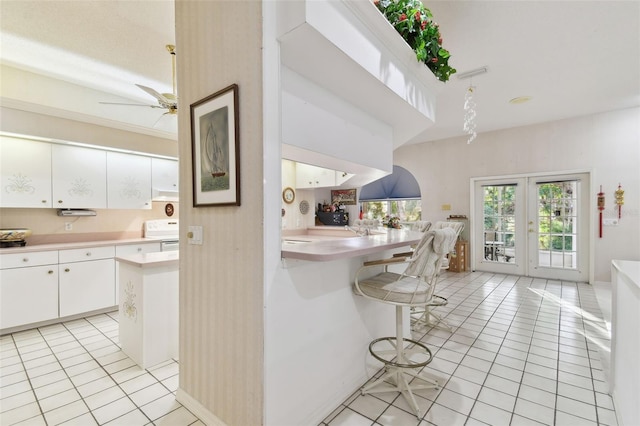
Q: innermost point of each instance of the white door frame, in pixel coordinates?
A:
(590, 216)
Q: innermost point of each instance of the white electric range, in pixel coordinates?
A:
(167, 231)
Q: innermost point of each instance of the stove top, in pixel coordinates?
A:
(13, 243)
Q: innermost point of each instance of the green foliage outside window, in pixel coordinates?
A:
(405, 210)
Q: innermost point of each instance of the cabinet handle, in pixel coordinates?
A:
(139, 248)
(43, 201)
(26, 259)
(88, 253)
(50, 272)
(67, 269)
(60, 201)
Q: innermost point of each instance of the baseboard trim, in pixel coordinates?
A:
(198, 409)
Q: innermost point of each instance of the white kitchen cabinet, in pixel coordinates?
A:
(28, 288)
(128, 181)
(79, 177)
(25, 173)
(87, 279)
(342, 177)
(308, 176)
(128, 249)
(164, 179)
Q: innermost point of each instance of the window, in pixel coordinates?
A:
(406, 210)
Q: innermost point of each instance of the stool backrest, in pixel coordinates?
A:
(456, 226)
(428, 254)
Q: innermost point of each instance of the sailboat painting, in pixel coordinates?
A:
(215, 128)
(214, 154)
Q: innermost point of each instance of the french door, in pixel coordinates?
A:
(533, 225)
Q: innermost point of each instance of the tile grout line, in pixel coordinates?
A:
(120, 387)
(521, 301)
(29, 380)
(107, 372)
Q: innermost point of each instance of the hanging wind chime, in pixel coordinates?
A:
(470, 115)
(601, 208)
(619, 194)
(469, 125)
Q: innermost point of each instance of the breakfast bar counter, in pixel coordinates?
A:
(321, 244)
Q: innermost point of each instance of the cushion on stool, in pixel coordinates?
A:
(392, 287)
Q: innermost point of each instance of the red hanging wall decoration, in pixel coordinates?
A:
(600, 207)
(619, 194)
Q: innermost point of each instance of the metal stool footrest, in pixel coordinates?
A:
(390, 356)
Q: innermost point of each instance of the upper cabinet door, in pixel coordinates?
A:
(25, 173)
(79, 177)
(164, 179)
(128, 181)
(308, 176)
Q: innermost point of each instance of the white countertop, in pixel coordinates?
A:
(630, 269)
(328, 248)
(161, 258)
(74, 245)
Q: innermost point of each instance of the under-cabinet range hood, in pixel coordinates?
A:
(76, 212)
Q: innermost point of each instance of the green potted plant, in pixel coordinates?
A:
(415, 24)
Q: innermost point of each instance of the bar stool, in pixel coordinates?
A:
(411, 288)
(424, 316)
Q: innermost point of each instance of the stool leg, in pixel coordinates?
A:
(401, 375)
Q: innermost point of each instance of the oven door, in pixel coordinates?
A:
(169, 245)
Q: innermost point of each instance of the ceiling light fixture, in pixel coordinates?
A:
(469, 104)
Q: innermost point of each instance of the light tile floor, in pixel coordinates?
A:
(523, 351)
(74, 373)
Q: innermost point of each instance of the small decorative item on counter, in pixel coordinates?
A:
(392, 222)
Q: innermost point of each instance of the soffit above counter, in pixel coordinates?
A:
(350, 49)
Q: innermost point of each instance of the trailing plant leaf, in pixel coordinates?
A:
(415, 24)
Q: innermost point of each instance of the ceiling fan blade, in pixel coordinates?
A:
(155, 94)
(160, 118)
(120, 103)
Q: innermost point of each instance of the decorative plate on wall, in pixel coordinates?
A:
(304, 207)
(288, 195)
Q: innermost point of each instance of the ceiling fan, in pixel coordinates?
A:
(168, 101)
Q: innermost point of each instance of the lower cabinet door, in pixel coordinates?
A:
(86, 286)
(28, 295)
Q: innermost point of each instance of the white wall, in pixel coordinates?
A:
(607, 144)
(221, 281)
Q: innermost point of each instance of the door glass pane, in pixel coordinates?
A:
(499, 223)
(557, 220)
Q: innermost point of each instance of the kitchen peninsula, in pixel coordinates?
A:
(327, 327)
(148, 302)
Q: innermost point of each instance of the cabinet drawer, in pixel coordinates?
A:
(22, 260)
(88, 253)
(127, 249)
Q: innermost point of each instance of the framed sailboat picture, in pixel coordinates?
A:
(215, 149)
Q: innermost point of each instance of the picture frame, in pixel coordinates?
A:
(215, 143)
(343, 196)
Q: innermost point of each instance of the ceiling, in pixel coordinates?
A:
(573, 58)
